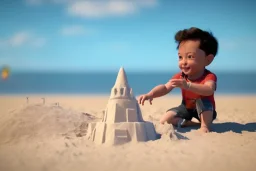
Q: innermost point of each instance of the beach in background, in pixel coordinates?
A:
(47, 132)
(44, 119)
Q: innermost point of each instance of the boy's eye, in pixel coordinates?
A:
(190, 56)
(180, 57)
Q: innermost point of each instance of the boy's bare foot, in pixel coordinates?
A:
(188, 123)
(204, 129)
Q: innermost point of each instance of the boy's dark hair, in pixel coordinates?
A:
(208, 43)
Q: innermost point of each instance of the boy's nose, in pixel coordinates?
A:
(184, 62)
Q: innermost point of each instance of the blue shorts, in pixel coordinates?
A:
(201, 106)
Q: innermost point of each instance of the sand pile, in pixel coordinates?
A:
(44, 121)
(51, 138)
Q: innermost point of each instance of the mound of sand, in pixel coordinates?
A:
(41, 121)
(44, 121)
(49, 137)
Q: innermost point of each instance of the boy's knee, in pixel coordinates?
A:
(168, 117)
(171, 119)
(205, 107)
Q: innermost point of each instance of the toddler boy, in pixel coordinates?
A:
(196, 50)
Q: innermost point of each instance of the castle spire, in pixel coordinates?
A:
(121, 80)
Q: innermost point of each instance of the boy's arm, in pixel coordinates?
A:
(205, 89)
(160, 90)
(163, 89)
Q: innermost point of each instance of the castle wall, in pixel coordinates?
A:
(117, 108)
(120, 133)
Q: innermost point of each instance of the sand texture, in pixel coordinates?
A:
(49, 135)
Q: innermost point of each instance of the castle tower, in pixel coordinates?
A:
(122, 105)
(121, 87)
(122, 121)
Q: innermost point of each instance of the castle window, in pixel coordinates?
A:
(115, 91)
(122, 91)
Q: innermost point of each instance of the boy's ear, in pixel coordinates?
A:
(209, 59)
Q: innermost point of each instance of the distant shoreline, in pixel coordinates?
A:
(101, 83)
(108, 94)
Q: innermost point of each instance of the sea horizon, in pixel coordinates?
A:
(101, 82)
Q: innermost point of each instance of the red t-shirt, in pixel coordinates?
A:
(189, 97)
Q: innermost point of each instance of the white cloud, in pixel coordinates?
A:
(227, 44)
(39, 42)
(74, 30)
(34, 2)
(22, 38)
(119, 46)
(19, 39)
(99, 8)
(236, 43)
(149, 3)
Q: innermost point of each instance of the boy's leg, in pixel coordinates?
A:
(170, 118)
(176, 115)
(206, 114)
(206, 120)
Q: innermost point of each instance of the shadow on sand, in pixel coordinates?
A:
(225, 127)
(178, 135)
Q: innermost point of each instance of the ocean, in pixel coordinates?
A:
(101, 83)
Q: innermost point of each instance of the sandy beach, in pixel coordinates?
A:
(49, 135)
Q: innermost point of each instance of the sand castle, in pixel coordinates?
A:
(122, 121)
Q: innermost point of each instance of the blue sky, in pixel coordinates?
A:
(79, 35)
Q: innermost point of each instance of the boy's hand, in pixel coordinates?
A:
(144, 97)
(182, 83)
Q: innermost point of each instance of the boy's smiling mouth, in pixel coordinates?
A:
(185, 69)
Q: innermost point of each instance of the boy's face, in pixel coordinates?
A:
(192, 60)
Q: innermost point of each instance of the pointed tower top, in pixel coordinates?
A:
(121, 80)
